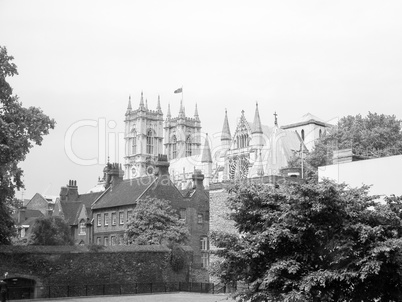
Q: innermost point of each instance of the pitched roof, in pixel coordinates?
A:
(123, 193)
(89, 198)
(306, 119)
(28, 214)
(70, 210)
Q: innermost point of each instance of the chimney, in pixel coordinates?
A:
(72, 190)
(198, 179)
(21, 215)
(114, 174)
(63, 193)
(162, 165)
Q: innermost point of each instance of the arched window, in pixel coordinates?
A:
(302, 134)
(150, 142)
(188, 146)
(320, 133)
(174, 147)
(134, 145)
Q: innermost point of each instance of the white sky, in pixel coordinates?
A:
(79, 60)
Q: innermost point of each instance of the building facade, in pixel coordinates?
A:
(112, 210)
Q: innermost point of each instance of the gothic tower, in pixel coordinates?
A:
(143, 137)
(182, 134)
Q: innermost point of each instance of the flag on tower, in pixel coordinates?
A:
(179, 90)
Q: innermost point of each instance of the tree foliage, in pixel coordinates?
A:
(376, 135)
(313, 242)
(20, 128)
(154, 221)
(50, 231)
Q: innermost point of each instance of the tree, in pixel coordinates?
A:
(375, 135)
(154, 221)
(313, 242)
(20, 128)
(50, 231)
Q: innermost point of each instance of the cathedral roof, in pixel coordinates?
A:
(306, 119)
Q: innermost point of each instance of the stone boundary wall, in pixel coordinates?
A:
(51, 265)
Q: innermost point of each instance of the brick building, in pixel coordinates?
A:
(112, 209)
(75, 209)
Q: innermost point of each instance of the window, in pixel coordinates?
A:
(99, 220)
(200, 218)
(174, 147)
(114, 219)
(83, 227)
(129, 215)
(106, 218)
(121, 218)
(320, 133)
(106, 241)
(98, 240)
(204, 252)
(150, 142)
(121, 239)
(302, 134)
(113, 239)
(242, 141)
(188, 146)
(134, 145)
(204, 243)
(183, 213)
(205, 259)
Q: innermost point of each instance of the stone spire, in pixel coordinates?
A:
(146, 104)
(225, 130)
(276, 119)
(206, 152)
(168, 116)
(158, 107)
(257, 170)
(257, 121)
(142, 101)
(196, 112)
(129, 103)
(181, 111)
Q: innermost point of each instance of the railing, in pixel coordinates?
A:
(82, 290)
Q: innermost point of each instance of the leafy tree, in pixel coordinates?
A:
(50, 231)
(313, 242)
(20, 128)
(154, 221)
(375, 135)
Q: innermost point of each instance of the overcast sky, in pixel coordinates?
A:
(80, 60)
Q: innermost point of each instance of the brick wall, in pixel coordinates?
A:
(87, 265)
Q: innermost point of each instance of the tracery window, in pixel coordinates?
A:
(188, 146)
(174, 147)
(238, 167)
(150, 142)
(134, 145)
(242, 141)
